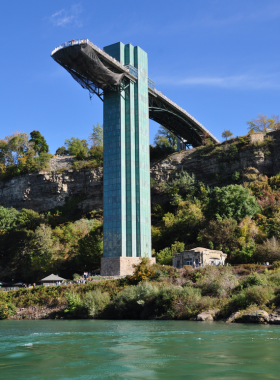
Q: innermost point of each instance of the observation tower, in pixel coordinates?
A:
(118, 75)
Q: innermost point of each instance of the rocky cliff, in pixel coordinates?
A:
(46, 190)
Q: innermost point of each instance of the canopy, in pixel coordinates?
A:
(52, 278)
(83, 64)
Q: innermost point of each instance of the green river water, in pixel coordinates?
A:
(97, 349)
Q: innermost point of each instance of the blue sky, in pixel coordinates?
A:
(218, 59)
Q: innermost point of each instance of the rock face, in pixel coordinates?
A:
(258, 316)
(46, 190)
(233, 317)
(208, 315)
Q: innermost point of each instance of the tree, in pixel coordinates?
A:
(43, 247)
(263, 123)
(14, 147)
(226, 134)
(91, 249)
(39, 143)
(97, 135)
(165, 138)
(220, 234)
(165, 255)
(62, 151)
(77, 147)
(8, 218)
(232, 201)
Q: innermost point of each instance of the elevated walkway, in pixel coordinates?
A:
(96, 70)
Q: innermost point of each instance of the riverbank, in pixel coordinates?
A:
(246, 293)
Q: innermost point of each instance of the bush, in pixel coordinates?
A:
(257, 295)
(95, 302)
(232, 201)
(276, 264)
(216, 282)
(129, 303)
(251, 280)
(7, 310)
(75, 304)
(142, 271)
(274, 279)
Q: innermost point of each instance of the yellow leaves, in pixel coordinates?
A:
(142, 271)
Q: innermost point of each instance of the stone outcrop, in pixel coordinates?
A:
(233, 317)
(46, 190)
(258, 316)
(208, 315)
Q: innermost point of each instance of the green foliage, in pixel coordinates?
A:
(90, 249)
(165, 255)
(160, 152)
(226, 134)
(263, 123)
(97, 135)
(8, 218)
(96, 154)
(142, 271)
(254, 295)
(7, 310)
(232, 201)
(75, 304)
(165, 138)
(17, 156)
(251, 280)
(95, 302)
(62, 151)
(235, 176)
(77, 148)
(38, 142)
(221, 234)
(217, 282)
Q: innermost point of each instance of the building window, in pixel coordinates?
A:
(188, 262)
(178, 264)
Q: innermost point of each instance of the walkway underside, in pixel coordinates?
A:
(96, 70)
(180, 125)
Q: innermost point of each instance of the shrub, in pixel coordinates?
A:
(217, 283)
(251, 280)
(276, 264)
(257, 295)
(274, 279)
(75, 304)
(7, 310)
(232, 201)
(142, 271)
(129, 303)
(95, 302)
(269, 250)
(222, 234)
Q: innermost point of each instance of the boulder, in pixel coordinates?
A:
(274, 319)
(233, 317)
(207, 315)
(258, 316)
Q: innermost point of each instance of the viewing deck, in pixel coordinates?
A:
(161, 109)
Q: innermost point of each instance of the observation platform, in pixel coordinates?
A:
(96, 71)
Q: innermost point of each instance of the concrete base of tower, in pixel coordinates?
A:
(121, 266)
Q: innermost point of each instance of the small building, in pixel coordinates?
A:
(51, 280)
(199, 256)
